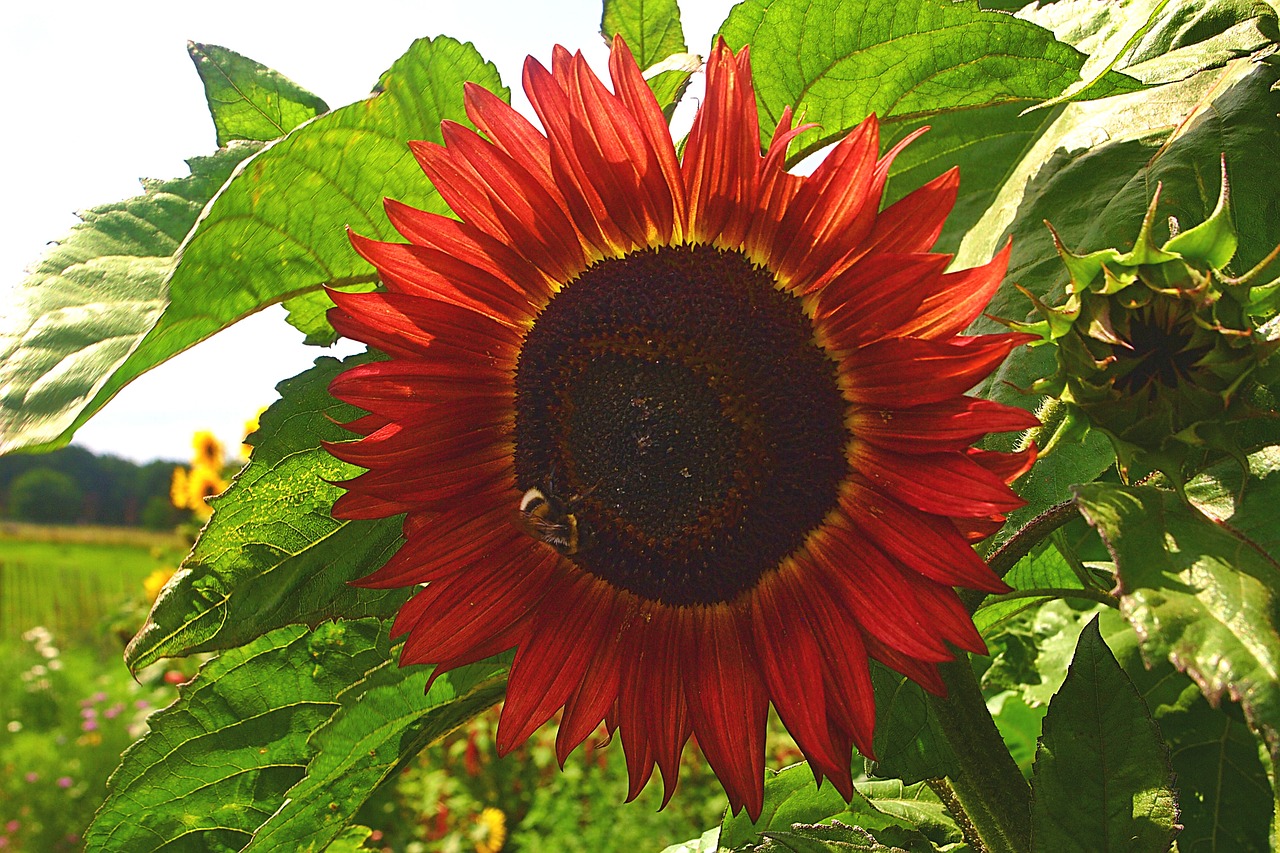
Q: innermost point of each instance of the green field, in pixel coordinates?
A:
(71, 579)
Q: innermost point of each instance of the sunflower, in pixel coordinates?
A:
(689, 433)
(208, 450)
(203, 483)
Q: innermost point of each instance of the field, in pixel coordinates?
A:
(70, 597)
(71, 579)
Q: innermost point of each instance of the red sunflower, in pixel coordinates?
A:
(689, 433)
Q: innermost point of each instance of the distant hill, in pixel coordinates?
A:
(108, 490)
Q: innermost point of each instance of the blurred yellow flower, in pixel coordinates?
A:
(209, 452)
(203, 482)
(179, 491)
(491, 830)
(250, 427)
(155, 582)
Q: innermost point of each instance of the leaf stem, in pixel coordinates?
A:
(1020, 544)
(1058, 592)
(988, 786)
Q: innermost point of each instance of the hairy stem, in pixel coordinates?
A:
(1020, 544)
(988, 786)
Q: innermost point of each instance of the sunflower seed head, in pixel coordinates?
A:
(1159, 348)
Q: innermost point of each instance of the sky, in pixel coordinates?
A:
(97, 95)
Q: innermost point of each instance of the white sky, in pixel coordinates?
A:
(97, 95)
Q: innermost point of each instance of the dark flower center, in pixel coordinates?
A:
(1165, 347)
(674, 401)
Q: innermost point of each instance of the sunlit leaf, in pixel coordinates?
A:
(218, 762)
(272, 554)
(707, 842)
(91, 299)
(791, 798)
(1102, 776)
(1224, 797)
(1157, 41)
(367, 741)
(279, 228)
(651, 28)
(246, 99)
(1199, 593)
(836, 62)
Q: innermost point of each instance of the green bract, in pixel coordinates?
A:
(1158, 347)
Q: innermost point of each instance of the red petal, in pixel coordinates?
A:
(920, 541)
(553, 661)
(947, 425)
(940, 483)
(952, 307)
(899, 373)
(875, 296)
(791, 665)
(913, 222)
(727, 704)
(722, 153)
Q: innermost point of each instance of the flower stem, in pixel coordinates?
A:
(987, 784)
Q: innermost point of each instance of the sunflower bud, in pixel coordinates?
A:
(1157, 347)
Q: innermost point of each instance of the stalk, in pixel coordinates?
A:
(988, 785)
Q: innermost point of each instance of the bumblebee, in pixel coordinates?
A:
(551, 519)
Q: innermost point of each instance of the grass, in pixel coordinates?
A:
(71, 579)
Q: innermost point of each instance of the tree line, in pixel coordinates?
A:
(76, 486)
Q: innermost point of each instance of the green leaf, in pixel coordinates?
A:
(351, 840)
(839, 837)
(1019, 726)
(272, 554)
(219, 761)
(1102, 775)
(916, 805)
(791, 797)
(984, 142)
(651, 28)
(368, 740)
(1037, 666)
(908, 744)
(1224, 797)
(1044, 571)
(308, 313)
(836, 61)
(1199, 593)
(1158, 41)
(91, 299)
(246, 99)
(279, 227)
(707, 842)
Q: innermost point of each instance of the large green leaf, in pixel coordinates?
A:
(91, 299)
(248, 100)
(1224, 797)
(1199, 593)
(889, 810)
(272, 554)
(368, 739)
(278, 229)
(1158, 41)
(836, 61)
(1102, 778)
(219, 761)
(651, 28)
